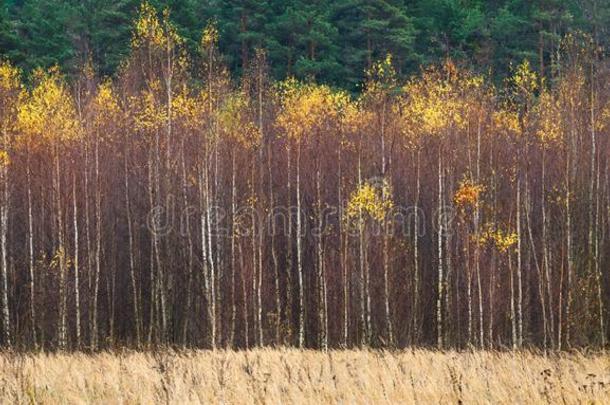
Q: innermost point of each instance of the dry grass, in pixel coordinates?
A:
(305, 377)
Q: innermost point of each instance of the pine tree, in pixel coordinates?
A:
(242, 29)
(510, 36)
(103, 30)
(448, 28)
(8, 36)
(44, 34)
(371, 30)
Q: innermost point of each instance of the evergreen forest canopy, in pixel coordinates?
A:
(332, 41)
(174, 205)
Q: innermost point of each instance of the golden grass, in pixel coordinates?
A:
(285, 376)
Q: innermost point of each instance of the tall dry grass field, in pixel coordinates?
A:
(305, 377)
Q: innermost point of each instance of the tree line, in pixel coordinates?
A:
(332, 41)
(176, 206)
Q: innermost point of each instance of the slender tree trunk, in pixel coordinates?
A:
(6, 321)
(190, 257)
(300, 253)
(343, 253)
(258, 229)
(186, 216)
(132, 269)
(61, 256)
(598, 268)
(477, 252)
(538, 268)
(448, 255)
(90, 267)
(494, 260)
(111, 295)
(449, 265)
(30, 238)
(439, 298)
(545, 251)
(322, 306)
(245, 299)
(212, 265)
(209, 266)
(468, 287)
(593, 237)
(151, 260)
(415, 299)
(385, 242)
(274, 257)
(233, 247)
(253, 240)
(76, 264)
(492, 282)
(560, 310)
(569, 252)
(386, 285)
(259, 283)
(161, 280)
(216, 254)
(519, 268)
(364, 296)
(204, 249)
(367, 293)
(261, 224)
(513, 317)
(289, 251)
(98, 246)
(363, 331)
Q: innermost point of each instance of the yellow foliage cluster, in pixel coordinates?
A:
(11, 93)
(604, 118)
(106, 110)
(9, 76)
(440, 99)
(150, 112)
(468, 194)
(235, 122)
(368, 199)
(308, 107)
(106, 105)
(502, 240)
(549, 118)
(209, 36)
(151, 31)
(511, 116)
(48, 112)
(354, 117)
(524, 79)
(186, 110)
(381, 78)
(506, 120)
(383, 69)
(106, 99)
(4, 158)
(59, 256)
